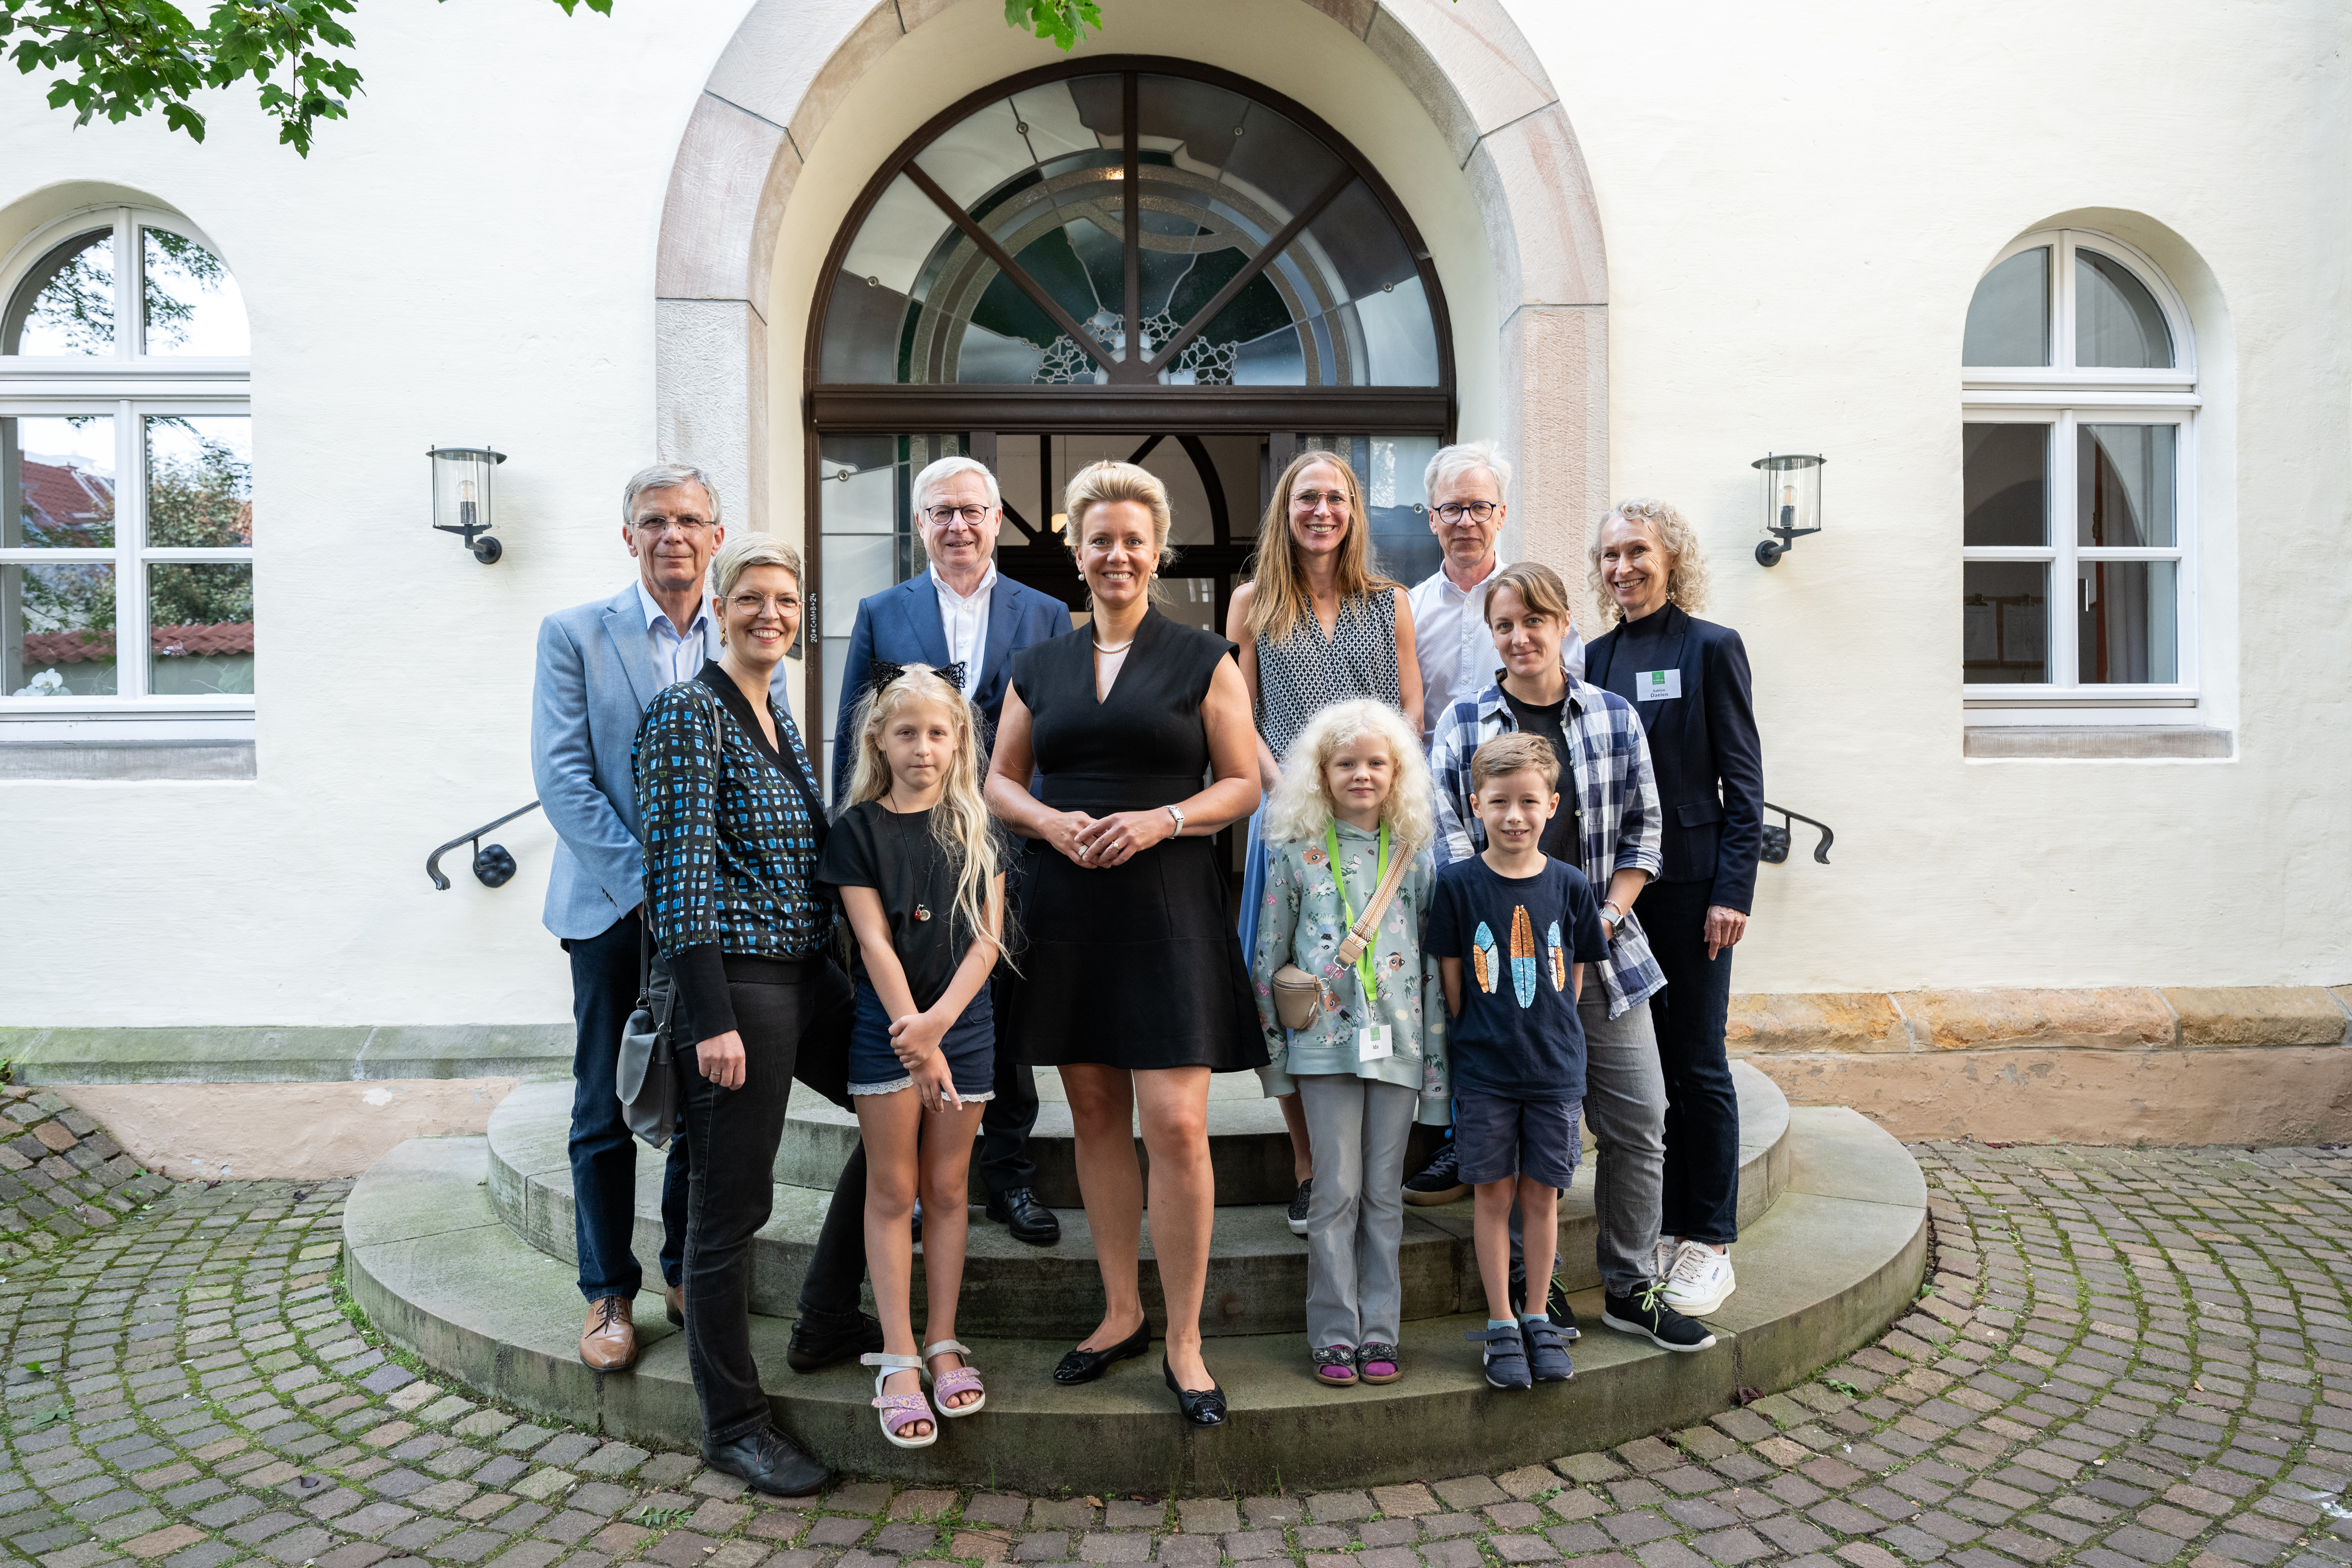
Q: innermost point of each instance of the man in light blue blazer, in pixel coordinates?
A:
(599, 665)
(960, 616)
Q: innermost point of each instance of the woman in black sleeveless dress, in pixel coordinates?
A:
(1132, 982)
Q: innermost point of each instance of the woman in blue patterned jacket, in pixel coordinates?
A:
(732, 830)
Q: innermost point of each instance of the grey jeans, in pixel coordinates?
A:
(1355, 1219)
(1625, 1107)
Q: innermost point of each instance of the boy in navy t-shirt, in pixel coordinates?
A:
(1513, 931)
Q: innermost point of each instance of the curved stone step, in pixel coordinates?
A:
(1836, 1261)
(1257, 1270)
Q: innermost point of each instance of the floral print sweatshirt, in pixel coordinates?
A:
(1302, 923)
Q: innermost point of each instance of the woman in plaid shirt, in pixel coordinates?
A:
(1608, 826)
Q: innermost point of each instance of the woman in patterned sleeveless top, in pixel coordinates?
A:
(1316, 624)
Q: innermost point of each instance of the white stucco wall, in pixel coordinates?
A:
(1794, 220)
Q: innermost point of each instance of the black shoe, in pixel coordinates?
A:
(818, 1342)
(1555, 1307)
(1645, 1314)
(1085, 1365)
(918, 1221)
(771, 1461)
(1299, 1201)
(1018, 1210)
(1546, 1351)
(1437, 1183)
(1201, 1406)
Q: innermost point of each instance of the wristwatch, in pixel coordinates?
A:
(1178, 813)
(1615, 924)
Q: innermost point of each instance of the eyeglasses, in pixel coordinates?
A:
(656, 523)
(1454, 510)
(1316, 500)
(940, 516)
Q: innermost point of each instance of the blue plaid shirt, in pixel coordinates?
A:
(1615, 787)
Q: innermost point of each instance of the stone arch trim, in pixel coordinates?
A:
(1468, 65)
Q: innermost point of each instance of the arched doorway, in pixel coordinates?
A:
(1135, 257)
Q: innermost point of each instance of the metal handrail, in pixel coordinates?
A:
(493, 867)
(1777, 839)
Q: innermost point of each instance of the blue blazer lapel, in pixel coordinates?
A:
(1004, 614)
(626, 627)
(920, 603)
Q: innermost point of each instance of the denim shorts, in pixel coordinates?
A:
(970, 1045)
(1499, 1136)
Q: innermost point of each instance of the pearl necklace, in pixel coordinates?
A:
(1120, 649)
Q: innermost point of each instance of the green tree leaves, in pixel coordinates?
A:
(122, 58)
(1060, 20)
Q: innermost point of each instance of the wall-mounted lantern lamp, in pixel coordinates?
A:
(461, 496)
(1793, 502)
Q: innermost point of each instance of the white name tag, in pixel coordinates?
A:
(1658, 685)
(1374, 1043)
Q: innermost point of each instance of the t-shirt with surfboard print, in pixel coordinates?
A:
(1518, 938)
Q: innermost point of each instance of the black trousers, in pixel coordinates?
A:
(1701, 1202)
(603, 1152)
(734, 1135)
(829, 1291)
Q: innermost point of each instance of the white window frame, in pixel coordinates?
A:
(128, 386)
(2062, 396)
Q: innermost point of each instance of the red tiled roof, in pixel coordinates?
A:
(65, 500)
(169, 642)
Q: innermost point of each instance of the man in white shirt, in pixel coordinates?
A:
(1465, 485)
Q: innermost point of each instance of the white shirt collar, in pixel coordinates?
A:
(987, 581)
(654, 612)
(1457, 591)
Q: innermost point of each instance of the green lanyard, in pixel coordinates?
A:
(1365, 969)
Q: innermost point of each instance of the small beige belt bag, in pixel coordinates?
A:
(1298, 995)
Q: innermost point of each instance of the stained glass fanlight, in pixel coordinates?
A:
(1130, 227)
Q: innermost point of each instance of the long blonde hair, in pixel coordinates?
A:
(1303, 806)
(1283, 603)
(1686, 579)
(960, 825)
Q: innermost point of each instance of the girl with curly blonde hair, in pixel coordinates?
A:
(1354, 801)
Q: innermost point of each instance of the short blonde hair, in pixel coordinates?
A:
(745, 551)
(1516, 752)
(1099, 483)
(1302, 802)
(1686, 580)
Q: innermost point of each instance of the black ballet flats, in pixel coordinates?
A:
(1085, 1365)
(1201, 1406)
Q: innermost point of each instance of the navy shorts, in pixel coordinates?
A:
(970, 1045)
(1500, 1136)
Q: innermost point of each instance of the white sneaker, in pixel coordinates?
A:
(1661, 1261)
(1700, 1281)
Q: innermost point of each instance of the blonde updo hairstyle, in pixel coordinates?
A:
(747, 550)
(1099, 483)
(1686, 580)
(1302, 804)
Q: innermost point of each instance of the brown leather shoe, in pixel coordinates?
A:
(609, 1343)
(674, 1300)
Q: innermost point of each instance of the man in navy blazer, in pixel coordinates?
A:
(599, 665)
(962, 613)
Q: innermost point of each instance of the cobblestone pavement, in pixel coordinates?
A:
(2126, 1358)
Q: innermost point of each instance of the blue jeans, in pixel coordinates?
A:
(1701, 1200)
(603, 1151)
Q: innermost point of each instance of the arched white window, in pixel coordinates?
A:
(2078, 444)
(126, 481)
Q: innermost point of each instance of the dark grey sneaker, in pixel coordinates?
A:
(1299, 1201)
(1505, 1355)
(1547, 1352)
(1645, 1314)
(1437, 1183)
(1555, 1307)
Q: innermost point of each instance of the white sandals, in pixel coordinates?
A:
(964, 1379)
(900, 1411)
